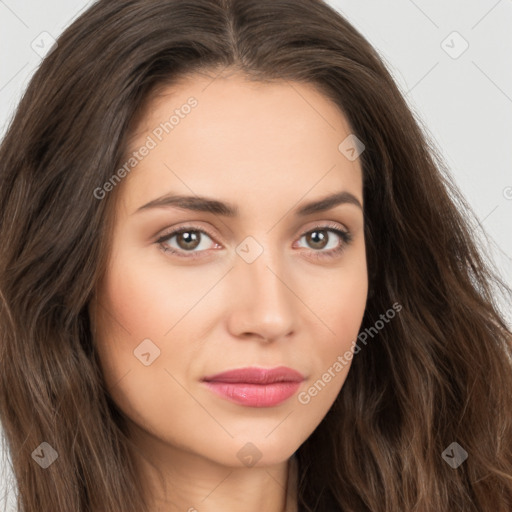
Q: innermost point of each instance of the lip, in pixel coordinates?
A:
(255, 387)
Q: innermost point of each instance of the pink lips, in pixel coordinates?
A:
(256, 387)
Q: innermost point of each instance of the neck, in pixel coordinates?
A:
(183, 481)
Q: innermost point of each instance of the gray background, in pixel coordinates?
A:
(463, 99)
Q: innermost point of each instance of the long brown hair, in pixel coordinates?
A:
(440, 372)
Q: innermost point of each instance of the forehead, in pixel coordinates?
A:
(234, 99)
(228, 136)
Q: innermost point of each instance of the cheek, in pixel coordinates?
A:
(130, 308)
(338, 298)
(339, 306)
(135, 310)
(146, 299)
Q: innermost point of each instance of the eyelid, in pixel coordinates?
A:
(167, 233)
(323, 224)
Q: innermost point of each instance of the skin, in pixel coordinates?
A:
(269, 149)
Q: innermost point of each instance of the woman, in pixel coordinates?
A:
(235, 276)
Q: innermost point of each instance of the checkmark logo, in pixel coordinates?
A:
(454, 455)
(146, 352)
(454, 45)
(44, 44)
(249, 249)
(249, 454)
(45, 455)
(351, 147)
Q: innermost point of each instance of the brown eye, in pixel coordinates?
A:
(187, 240)
(317, 239)
(320, 237)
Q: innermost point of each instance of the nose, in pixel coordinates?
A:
(263, 304)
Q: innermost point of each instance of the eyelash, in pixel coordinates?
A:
(345, 236)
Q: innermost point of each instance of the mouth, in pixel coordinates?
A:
(255, 387)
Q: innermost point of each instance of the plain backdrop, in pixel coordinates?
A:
(450, 59)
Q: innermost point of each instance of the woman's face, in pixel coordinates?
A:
(265, 286)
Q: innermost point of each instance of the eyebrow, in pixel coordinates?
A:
(206, 204)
